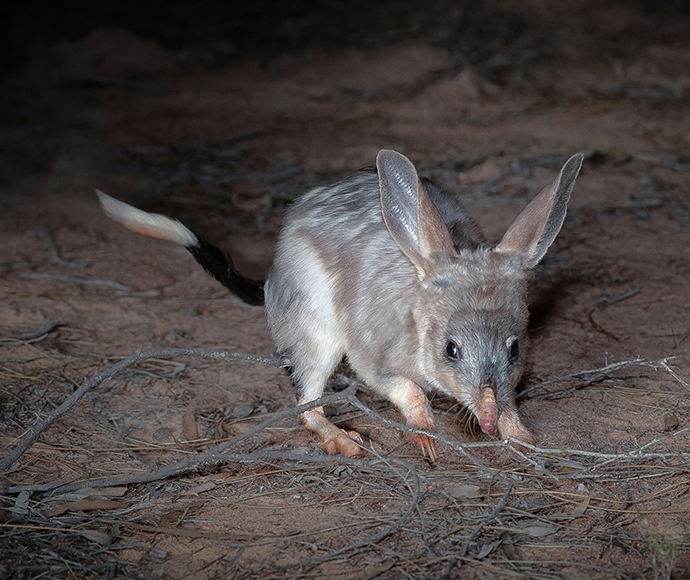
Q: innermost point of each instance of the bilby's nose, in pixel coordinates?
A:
(488, 410)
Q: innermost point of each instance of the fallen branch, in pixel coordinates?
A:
(210, 458)
(599, 328)
(217, 455)
(380, 535)
(633, 455)
(121, 288)
(487, 520)
(34, 335)
(412, 482)
(590, 376)
(55, 253)
(110, 372)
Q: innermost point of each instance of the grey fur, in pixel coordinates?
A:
(388, 269)
(347, 280)
(537, 226)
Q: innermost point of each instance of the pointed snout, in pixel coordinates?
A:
(487, 410)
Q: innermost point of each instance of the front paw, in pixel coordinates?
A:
(510, 427)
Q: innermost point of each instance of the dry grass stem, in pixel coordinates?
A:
(426, 510)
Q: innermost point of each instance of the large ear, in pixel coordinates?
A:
(538, 224)
(408, 212)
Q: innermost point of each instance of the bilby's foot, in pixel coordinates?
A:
(334, 441)
(345, 443)
(510, 425)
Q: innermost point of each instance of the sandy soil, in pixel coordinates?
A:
(226, 148)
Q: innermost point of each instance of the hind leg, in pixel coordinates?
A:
(311, 373)
(302, 321)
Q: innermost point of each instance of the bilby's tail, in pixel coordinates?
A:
(213, 260)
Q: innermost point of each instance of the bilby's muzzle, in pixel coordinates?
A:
(488, 410)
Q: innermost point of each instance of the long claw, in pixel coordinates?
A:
(427, 444)
(356, 437)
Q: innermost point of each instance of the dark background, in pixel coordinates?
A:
(496, 38)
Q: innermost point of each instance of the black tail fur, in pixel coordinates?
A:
(220, 266)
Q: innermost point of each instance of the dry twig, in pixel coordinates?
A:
(380, 535)
(34, 335)
(84, 281)
(55, 253)
(110, 372)
(212, 457)
(591, 376)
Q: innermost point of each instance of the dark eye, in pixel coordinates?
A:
(514, 350)
(452, 350)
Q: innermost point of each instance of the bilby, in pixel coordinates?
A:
(389, 270)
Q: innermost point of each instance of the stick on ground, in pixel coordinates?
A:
(109, 372)
(34, 334)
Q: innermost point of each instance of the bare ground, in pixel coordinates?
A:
(226, 148)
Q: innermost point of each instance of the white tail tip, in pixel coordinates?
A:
(147, 224)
